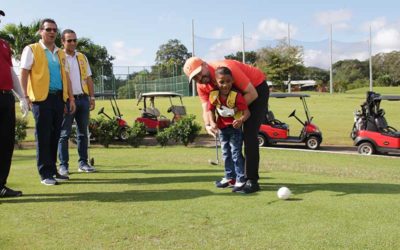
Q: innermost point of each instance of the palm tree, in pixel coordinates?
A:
(18, 36)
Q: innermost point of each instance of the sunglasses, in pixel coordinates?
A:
(51, 29)
(71, 40)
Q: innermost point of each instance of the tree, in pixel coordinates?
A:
(386, 68)
(348, 72)
(278, 62)
(250, 57)
(19, 36)
(171, 57)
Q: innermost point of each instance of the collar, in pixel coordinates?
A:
(44, 46)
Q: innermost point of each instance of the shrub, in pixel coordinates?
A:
(20, 130)
(106, 131)
(163, 137)
(185, 131)
(136, 134)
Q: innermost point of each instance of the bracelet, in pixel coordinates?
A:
(92, 98)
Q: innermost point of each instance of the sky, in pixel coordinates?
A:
(132, 31)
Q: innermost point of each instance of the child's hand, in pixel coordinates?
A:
(237, 123)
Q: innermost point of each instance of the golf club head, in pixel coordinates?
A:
(213, 162)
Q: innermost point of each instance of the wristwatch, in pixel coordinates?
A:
(92, 98)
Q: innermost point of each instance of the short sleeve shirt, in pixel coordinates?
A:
(223, 122)
(243, 75)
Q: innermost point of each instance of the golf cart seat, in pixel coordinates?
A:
(151, 113)
(383, 126)
(177, 110)
(270, 119)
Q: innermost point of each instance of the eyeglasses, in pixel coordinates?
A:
(55, 30)
(71, 40)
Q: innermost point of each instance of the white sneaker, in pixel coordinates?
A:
(49, 182)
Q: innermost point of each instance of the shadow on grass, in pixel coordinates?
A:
(340, 188)
(161, 171)
(124, 196)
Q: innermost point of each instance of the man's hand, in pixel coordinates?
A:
(225, 111)
(92, 103)
(72, 106)
(23, 104)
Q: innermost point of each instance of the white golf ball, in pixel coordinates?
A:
(284, 193)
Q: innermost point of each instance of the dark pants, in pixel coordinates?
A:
(258, 109)
(7, 135)
(48, 116)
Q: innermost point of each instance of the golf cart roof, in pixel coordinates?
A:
(389, 97)
(285, 95)
(160, 94)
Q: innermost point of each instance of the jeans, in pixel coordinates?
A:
(81, 117)
(7, 135)
(231, 145)
(48, 116)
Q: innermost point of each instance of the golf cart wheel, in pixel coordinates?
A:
(366, 148)
(313, 142)
(123, 134)
(262, 141)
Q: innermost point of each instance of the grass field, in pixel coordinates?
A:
(164, 198)
(332, 113)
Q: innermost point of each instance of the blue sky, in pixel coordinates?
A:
(132, 31)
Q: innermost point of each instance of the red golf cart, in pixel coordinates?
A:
(371, 132)
(274, 131)
(151, 116)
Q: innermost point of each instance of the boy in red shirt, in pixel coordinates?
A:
(229, 111)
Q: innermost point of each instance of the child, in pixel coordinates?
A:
(228, 112)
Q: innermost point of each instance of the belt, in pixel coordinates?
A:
(55, 92)
(80, 96)
(5, 92)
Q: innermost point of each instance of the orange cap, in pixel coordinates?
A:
(192, 67)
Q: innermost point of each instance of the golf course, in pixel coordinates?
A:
(155, 197)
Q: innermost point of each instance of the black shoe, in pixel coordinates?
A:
(60, 178)
(8, 192)
(238, 188)
(224, 183)
(251, 186)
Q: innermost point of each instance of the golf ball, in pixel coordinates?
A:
(284, 193)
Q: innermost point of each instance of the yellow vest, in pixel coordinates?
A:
(39, 77)
(230, 101)
(82, 62)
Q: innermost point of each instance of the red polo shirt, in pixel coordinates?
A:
(243, 75)
(5, 66)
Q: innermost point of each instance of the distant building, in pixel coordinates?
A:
(302, 85)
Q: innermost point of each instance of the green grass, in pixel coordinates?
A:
(164, 198)
(333, 114)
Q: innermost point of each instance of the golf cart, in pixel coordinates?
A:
(371, 132)
(151, 116)
(122, 124)
(274, 131)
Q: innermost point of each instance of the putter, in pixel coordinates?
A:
(215, 162)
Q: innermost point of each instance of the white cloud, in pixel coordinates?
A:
(338, 18)
(218, 32)
(124, 55)
(386, 40)
(376, 24)
(220, 49)
(274, 28)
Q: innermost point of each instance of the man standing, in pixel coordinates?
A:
(45, 81)
(82, 89)
(8, 82)
(250, 81)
